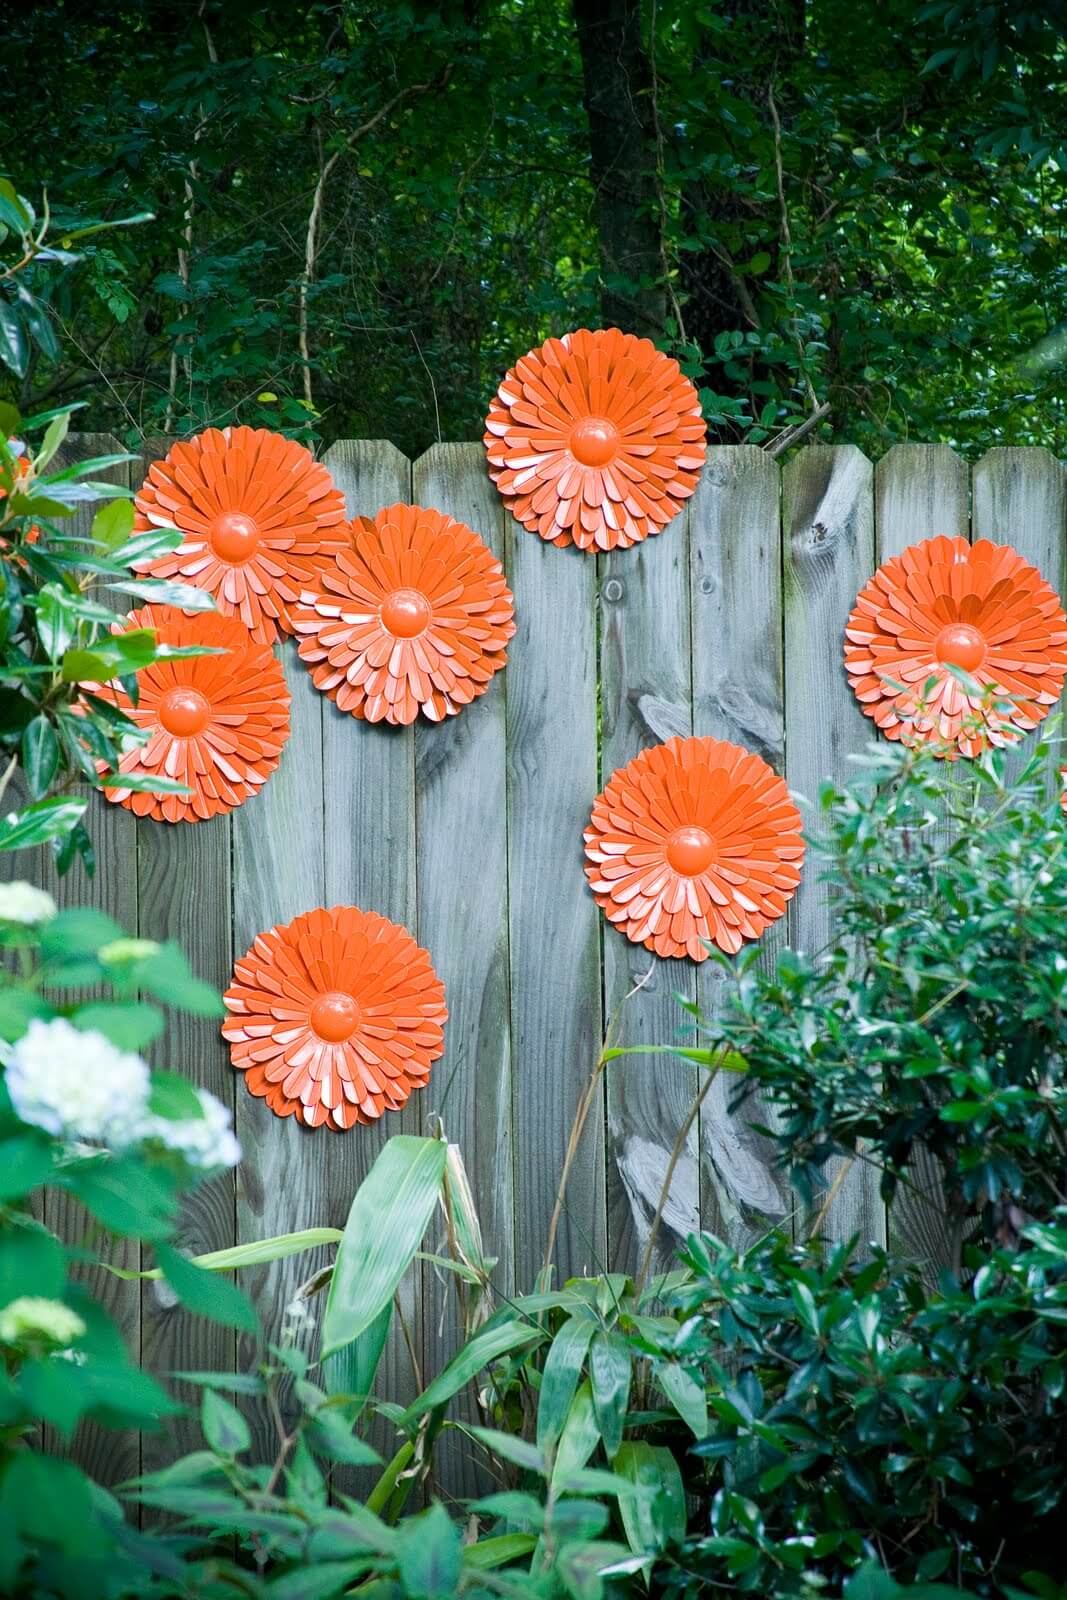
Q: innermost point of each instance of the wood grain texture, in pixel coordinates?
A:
(368, 777)
(108, 1455)
(828, 531)
(555, 925)
(646, 697)
(277, 874)
(184, 873)
(738, 695)
(920, 491)
(461, 808)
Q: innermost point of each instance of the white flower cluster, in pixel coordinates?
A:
(78, 1086)
(207, 1143)
(32, 1318)
(21, 902)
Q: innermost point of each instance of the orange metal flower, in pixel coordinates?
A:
(946, 603)
(595, 439)
(259, 515)
(694, 840)
(217, 723)
(335, 1017)
(413, 617)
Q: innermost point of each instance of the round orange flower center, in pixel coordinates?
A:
(334, 1017)
(594, 441)
(960, 645)
(184, 712)
(233, 536)
(690, 851)
(406, 612)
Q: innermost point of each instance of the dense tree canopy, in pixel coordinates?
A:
(850, 210)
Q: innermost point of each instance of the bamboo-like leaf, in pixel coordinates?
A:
(721, 1060)
(654, 1516)
(254, 1254)
(389, 1215)
(492, 1342)
(610, 1372)
(563, 1368)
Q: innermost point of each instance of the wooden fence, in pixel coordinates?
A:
(470, 833)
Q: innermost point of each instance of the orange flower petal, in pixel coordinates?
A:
(335, 1017)
(595, 439)
(695, 841)
(413, 617)
(259, 515)
(945, 603)
(217, 723)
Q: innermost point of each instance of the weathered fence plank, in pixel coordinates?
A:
(920, 491)
(646, 696)
(828, 533)
(738, 695)
(555, 930)
(461, 808)
(368, 785)
(277, 874)
(1020, 498)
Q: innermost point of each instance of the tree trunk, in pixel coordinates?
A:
(620, 106)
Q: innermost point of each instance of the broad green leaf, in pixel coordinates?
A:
(14, 346)
(131, 1025)
(559, 1380)
(40, 755)
(173, 1096)
(686, 1395)
(511, 1448)
(54, 436)
(254, 1254)
(37, 823)
(144, 546)
(654, 1515)
(113, 524)
(577, 1442)
(429, 1555)
(498, 1551)
(13, 210)
(352, 1370)
(390, 1212)
(157, 591)
(225, 1430)
(206, 1293)
(488, 1344)
(166, 975)
(340, 1533)
(24, 1165)
(610, 1374)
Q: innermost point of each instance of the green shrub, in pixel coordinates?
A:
(935, 1019)
(84, 1121)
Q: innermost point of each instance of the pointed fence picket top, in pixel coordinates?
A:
(728, 623)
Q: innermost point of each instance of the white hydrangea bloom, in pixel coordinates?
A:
(121, 951)
(206, 1143)
(31, 1317)
(22, 902)
(77, 1085)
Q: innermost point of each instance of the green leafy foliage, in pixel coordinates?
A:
(57, 645)
(82, 1120)
(934, 1021)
